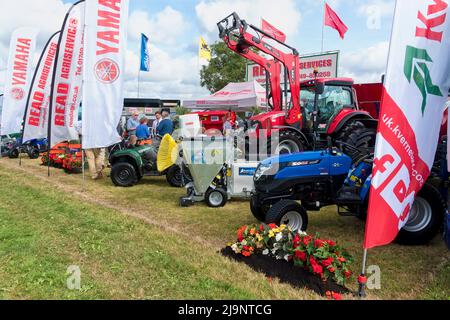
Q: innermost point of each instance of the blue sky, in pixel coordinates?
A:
(174, 27)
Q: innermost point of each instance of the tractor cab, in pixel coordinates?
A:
(324, 101)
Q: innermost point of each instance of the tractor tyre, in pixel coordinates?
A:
(176, 177)
(123, 174)
(358, 136)
(426, 218)
(289, 142)
(216, 198)
(289, 213)
(13, 153)
(33, 153)
(259, 211)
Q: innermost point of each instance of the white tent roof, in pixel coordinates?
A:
(238, 96)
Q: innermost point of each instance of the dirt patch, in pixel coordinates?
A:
(286, 272)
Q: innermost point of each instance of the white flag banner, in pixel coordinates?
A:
(36, 114)
(104, 69)
(18, 79)
(414, 95)
(67, 87)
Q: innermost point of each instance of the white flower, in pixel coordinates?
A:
(279, 236)
(234, 247)
(244, 242)
(265, 252)
(286, 257)
(302, 233)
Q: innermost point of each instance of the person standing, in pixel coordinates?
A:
(156, 123)
(132, 124)
(166, 125)
(96, 161)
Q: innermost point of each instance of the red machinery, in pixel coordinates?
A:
(322, 108)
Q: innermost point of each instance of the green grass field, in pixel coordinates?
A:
(137, 243)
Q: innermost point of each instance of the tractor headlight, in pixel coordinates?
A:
(263, 170)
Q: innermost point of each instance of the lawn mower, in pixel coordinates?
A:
(32, 147)
(217, 174)
(129, 164)
(289, 185)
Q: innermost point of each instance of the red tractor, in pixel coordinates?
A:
(304, 114)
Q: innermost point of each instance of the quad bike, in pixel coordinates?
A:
(130, 164)
(304, 114)
(33, 148)
(286, 187)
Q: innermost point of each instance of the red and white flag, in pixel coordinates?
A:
(332, 20)
(414, 95)
(66, 91)
(36, 115)
(103, 89)
(18, 79)
(272, 31)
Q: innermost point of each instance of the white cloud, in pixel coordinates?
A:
(165, 27)
(365, 65)
(284, 14)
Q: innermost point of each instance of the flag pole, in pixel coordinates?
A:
(362, 280)
(323, 25)
(139, 83)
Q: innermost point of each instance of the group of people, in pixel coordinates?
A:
(142, 129)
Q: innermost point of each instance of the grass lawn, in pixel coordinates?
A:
(137, 243)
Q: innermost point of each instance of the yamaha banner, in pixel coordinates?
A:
(68, 78)
(415, 92)
(18, 79)
(36, 114)
(106, 45)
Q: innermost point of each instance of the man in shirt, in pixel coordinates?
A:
(166, 124)
(156, 123)
(132, 124)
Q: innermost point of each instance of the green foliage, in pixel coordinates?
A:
(224, 67)
(181, 111)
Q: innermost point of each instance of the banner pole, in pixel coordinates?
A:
(362, 281)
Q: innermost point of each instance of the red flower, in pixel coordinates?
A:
(306, 240)
(347, 273)
(316, 268)
(300, 255)
(341, 259)
(261, 227)
(327, 262)
(240, 233)
(273, 226)
(330, 243)
(246, 253)
(331, 269)
(318, 243)
(333, 295)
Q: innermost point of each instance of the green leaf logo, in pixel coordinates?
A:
(416, 68)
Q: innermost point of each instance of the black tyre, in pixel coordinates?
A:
(124, 174)
(176, 177)
(359, 137)
(289, 142)
(259, 211)
(13, 153)
(216, 198)
(33, 153)
(289, 213)
(426, 218)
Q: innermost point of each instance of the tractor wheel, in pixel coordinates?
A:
(358, 136)
(33, 153)
(216, 198)
(176, 178)
(289, 142)
(123, 174)
(13, 153)
(259, 211)
(289, 213)
(426, 218)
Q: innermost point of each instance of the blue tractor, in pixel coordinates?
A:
(32, 147)
(288, 186)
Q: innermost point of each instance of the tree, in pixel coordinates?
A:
(224, 67)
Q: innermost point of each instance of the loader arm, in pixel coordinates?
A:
(233, 26)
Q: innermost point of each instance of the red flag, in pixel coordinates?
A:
(272, 31)
(332, 20)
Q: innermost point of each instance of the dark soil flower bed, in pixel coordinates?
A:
(286, 272)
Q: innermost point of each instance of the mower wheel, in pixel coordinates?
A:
(13, 153)
(289, 213)
(176, 178)
(426, 218)
(33, 153)
(216, 198)
(123, 174)
(258, 211)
